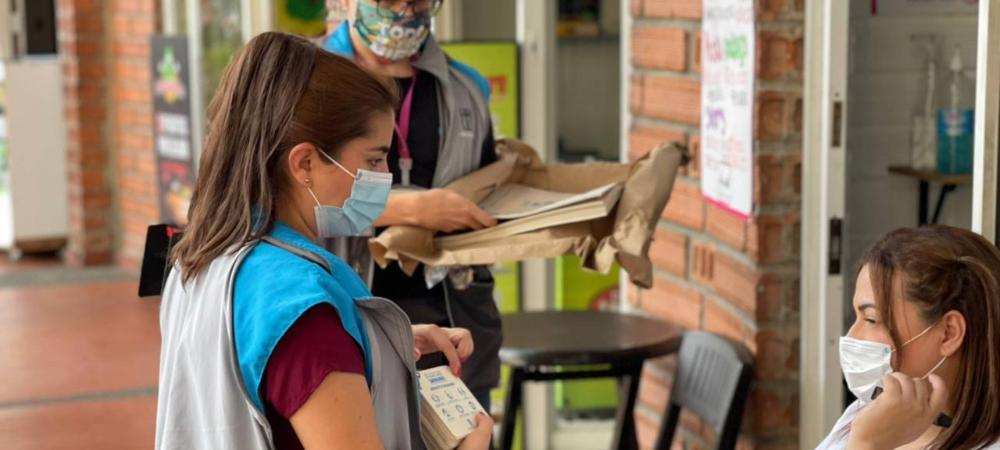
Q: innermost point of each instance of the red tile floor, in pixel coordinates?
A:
(78, 359)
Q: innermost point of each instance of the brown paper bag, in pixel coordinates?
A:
(624, 235)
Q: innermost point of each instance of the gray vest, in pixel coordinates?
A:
(464, 116)
(202, 402)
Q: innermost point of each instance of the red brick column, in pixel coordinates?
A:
(133, 22)
(713, 271)
(112, 179)
(83, 48)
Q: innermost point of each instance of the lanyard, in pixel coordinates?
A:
(403, 131)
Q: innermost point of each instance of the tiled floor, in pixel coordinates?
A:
(78, 361)
(79, 357)
(111, 424)
(582, 434)
(27, 263)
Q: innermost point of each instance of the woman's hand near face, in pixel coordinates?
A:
(455, 343)
(901, 414)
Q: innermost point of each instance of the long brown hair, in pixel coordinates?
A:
(950, 269)
(279, 91)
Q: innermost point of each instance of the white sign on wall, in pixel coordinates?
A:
(921, 7)
(727, 99)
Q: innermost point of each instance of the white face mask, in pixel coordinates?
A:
(864, 363)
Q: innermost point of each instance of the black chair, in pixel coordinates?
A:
(712, 381)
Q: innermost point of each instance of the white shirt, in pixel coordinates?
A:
(837, 439)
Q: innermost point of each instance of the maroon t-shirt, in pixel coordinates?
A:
(314, 346)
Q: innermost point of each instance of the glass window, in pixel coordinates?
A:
(221, 36)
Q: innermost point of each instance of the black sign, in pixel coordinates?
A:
(172, 126)
(155, 268)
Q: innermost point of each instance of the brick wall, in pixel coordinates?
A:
(713, 271)
(104, 47)
(132, 24)
(83, 48)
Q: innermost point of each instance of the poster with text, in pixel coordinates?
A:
(172, 127)
(727, 96)
(498, 63)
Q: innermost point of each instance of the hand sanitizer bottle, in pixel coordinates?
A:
(956, 119)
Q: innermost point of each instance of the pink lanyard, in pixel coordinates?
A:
(403, 131)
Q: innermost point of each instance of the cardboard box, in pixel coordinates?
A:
(624, 235)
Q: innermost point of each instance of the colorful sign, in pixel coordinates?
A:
(727, 97)
(302, 17)
(498, 62)
(172, 127)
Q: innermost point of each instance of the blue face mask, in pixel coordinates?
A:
(367, 201)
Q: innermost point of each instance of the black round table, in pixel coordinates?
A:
(535, 343)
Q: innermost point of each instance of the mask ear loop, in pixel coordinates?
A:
(920, 334)
(309, 188)
(314, 196)
(878, 389)
(917, 336)
(334, 161)
(939, 362)
(911, 340)
(929, 372)
(942, 420)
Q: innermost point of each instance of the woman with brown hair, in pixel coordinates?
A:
(923, 355)
(269, 341)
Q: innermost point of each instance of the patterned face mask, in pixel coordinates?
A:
(392, 36)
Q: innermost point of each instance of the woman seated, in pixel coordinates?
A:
(923, 355)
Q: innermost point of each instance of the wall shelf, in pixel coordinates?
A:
(924, 178)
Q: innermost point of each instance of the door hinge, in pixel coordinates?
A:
(836, 245)
(838, 124)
